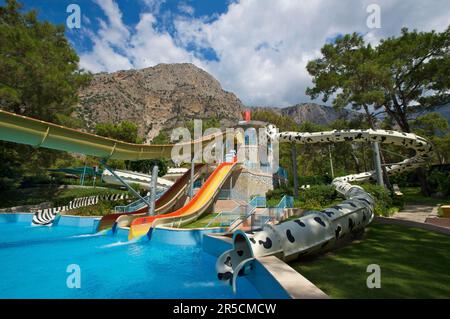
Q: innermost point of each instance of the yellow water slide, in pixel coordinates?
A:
(194, 209)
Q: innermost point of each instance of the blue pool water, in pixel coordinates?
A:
(34, 263)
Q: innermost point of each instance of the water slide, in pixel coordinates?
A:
(194, 209)
(169, 200)
(141, 179)
(319, 230)
(50, 216)
(25, 130)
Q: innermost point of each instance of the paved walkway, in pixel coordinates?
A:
(416, 212)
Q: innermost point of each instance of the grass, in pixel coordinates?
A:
(414, 263)
(203, 221)
(57, 196)
(412, 195)
(101, 209)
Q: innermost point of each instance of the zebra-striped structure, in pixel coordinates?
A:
(47, 216)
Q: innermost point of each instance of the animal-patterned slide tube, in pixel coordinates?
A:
(50, 216)
(317, 230)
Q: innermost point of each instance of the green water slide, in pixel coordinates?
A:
(25, 130)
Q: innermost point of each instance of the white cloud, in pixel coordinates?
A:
(115, 47)
(263, 46)
(185, 8)
(149, 47)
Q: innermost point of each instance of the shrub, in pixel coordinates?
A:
(383, 198)
(405, 179)
(31, 181)
(314, 180)
(440, 182)
(322, 193)
(278, 193)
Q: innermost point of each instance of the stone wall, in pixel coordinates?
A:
(250, 183)
(26, 208)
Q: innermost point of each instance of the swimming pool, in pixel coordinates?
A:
(34, 262)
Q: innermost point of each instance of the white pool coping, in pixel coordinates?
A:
(294, 284)
(297, 286)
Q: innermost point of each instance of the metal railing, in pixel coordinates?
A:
(267, 215)
(136, 205)
(231, 194)
(227, 218)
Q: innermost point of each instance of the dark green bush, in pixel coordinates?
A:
(278, 193)
(440, 182)
(318, 195)
(30, 181)
(314, 180)
(405, 179)
(383, 198)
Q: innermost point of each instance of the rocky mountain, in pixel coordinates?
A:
(312, 112)
(157, 98)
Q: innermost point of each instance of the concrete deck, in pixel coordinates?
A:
(297, 286)
(415, 213)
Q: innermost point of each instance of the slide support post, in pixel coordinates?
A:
(153, 190)
(377, 162)
(131, 189)
(191, 184)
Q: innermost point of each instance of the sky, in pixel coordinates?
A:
(257, 49)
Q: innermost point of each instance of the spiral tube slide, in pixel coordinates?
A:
(317, 230)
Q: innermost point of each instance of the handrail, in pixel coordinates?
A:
(137, 204)
(252, 211)
(232, 213)
(213, 219)
(258, 201)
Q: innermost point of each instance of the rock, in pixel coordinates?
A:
(157, 98)
(311, 112)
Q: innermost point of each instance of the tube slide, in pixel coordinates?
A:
(169, 200)
(194, 209)
(49, 216)
(318, 230)
(25, 130)
(143, 180)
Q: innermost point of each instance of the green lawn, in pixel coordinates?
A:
(37, 195)
(414, 264)
(202, 222)
(412, 195)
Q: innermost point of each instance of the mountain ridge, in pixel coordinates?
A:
(311, 112)
(165, 96)
(157, 98)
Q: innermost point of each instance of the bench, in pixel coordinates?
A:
(397, 191)
(445, 211)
